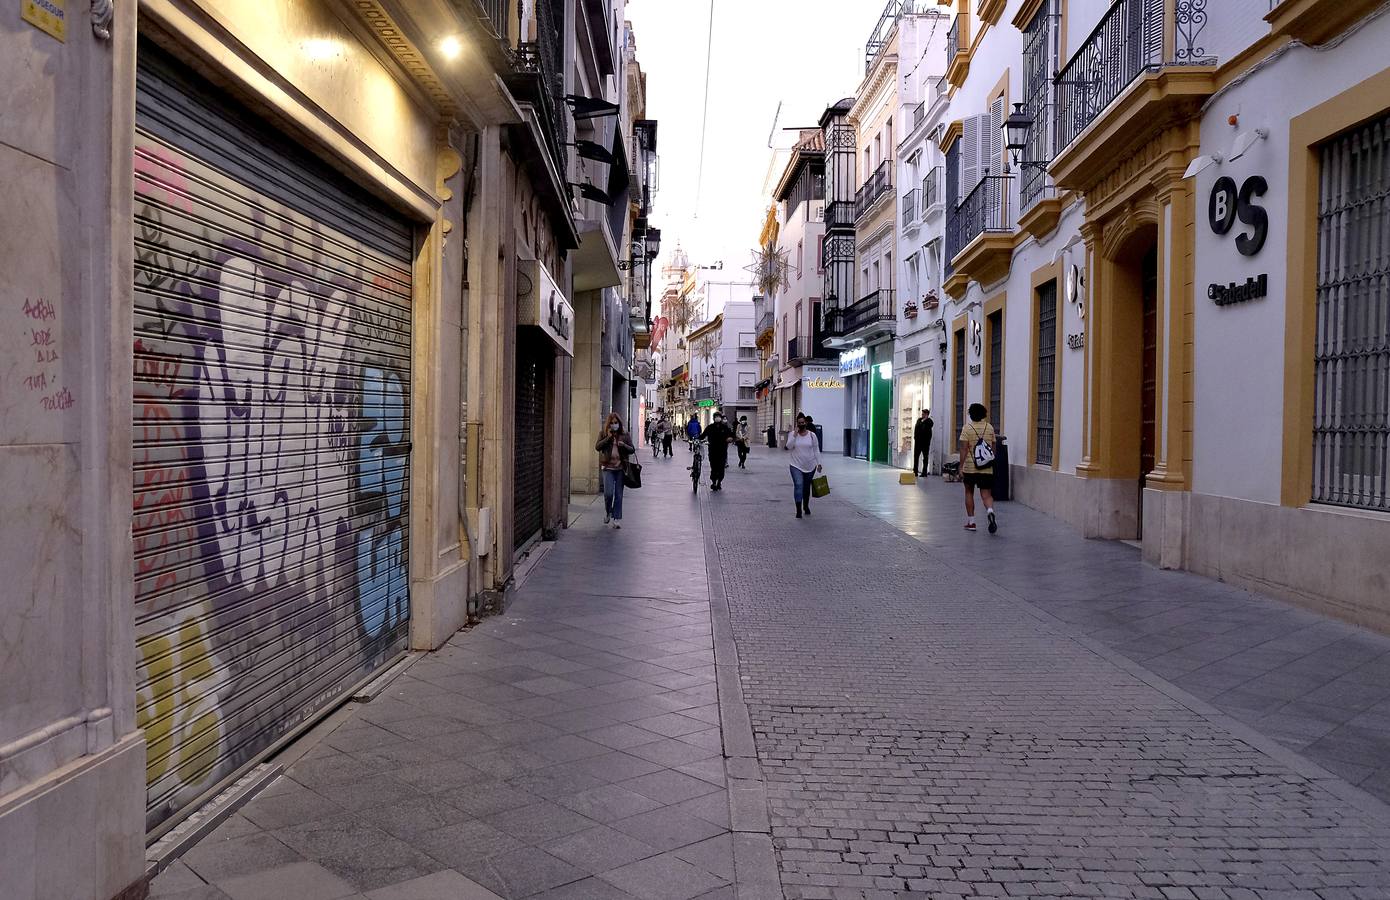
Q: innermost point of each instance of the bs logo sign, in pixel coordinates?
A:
(1227, 204)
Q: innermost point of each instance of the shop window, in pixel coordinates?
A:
(1351, 427)
(1044, 401)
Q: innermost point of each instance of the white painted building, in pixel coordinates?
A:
(1167, 290)
(918, 359)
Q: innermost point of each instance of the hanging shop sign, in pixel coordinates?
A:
(1227, 204)
(544, 306)
(854, 362)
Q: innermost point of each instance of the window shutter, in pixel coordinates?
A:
(969, 157)
(995, 132)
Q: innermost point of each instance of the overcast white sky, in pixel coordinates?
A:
(805, 53)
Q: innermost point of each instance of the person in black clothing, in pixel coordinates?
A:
(921, 443)
(720, 436)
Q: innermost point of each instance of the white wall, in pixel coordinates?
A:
(1238, 383)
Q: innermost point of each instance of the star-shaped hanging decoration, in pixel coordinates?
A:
(770, 269)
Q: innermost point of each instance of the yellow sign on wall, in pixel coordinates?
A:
(48, 16)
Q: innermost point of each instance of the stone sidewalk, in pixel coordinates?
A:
(568, 749)
(1317, 685)
(924, 732)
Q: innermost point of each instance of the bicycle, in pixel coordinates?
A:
(695, 465)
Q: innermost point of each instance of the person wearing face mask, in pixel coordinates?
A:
(614, 447)
(805, 463)
(720, 436)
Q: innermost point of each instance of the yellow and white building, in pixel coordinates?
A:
(1167, 279)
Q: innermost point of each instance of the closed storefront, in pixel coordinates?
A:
(272, 434)
(533, 363)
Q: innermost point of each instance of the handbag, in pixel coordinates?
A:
(820, 486)
(983, 453)
(632, 474)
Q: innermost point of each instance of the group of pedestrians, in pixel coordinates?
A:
(976, 446)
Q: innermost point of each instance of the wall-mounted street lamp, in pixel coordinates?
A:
(1017, 127)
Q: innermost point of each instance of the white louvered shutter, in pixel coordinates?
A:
(969, 157)
(994, 131)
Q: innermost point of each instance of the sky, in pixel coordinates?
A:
(805, 54)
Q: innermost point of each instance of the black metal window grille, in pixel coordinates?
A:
(953, 245)
(910, 207)
(995, 324)
(1351, 424)
(959, 385)
(1039, 53)
(1045, 400)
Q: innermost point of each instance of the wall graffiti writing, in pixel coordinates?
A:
(41, 336)
(271, 452)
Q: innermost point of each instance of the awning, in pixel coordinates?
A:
(762, 384)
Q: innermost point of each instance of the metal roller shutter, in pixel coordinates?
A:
(271, 435)
(532, 370)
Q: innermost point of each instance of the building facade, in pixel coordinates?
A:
(1158, 278)
(336, 282)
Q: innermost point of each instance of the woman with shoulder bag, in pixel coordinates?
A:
(977, 443)
(614, 447)
(805, 463)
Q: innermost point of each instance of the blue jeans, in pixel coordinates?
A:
(801, 484)
(613, 493)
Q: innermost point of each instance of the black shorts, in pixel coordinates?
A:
(982, 480)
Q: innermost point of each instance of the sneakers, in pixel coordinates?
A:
(607, 518)
(617, 524)
(970, 526)
(993, 525)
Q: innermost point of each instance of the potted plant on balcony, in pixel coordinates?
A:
(930, 300)
(910, 309)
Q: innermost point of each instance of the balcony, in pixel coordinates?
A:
(1141, 71)
(872, 316)
(703, 392)
(931, 191)
(919, 112)
(911, 213)
(958, 51)
(874, 188)
(839, 214)
(494, 13)
(805, 348)
(983, 244)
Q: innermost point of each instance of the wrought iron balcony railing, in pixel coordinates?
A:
(807, 347)
(953, 41)
(931, 189)
(1128, 41)
(875, 186)
(765, 322)
(986, 208)
(495, 12)
(875, 308)
(704, 392)
(839, 214)
(919, 112)
(910, 210)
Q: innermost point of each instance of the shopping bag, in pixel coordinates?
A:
(820, 486)
(632, 474)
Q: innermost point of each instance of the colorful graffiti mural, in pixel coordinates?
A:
(271, 449)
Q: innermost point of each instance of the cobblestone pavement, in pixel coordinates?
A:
(1316, 685)
(569, 749)
(923, 732)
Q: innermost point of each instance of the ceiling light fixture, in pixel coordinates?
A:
(451, 48)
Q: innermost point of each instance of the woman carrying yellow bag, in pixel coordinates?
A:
(805, 463)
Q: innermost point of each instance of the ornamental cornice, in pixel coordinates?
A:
(405, 53)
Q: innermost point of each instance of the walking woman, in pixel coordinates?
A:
(614, 447)
(805, 463)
